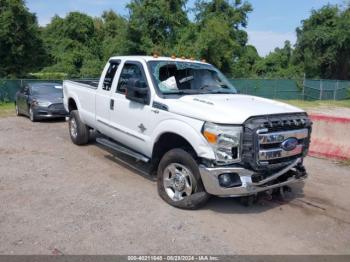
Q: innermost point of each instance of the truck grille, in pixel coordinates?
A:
(274, 141)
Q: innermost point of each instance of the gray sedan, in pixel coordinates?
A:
(40, 101)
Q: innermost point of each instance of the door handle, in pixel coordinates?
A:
(111, 104)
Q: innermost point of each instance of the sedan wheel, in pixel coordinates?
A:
(17, 111)
(31, 115)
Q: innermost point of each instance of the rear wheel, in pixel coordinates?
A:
(79, 132)
(179, 182)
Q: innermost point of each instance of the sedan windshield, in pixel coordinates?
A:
(172, 77)
(47, 89)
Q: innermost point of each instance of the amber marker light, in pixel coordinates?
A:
(211, 138)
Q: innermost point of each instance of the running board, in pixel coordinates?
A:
(122, 149)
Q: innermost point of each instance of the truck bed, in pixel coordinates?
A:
(90, 83)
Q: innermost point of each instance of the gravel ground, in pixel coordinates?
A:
(58, 198)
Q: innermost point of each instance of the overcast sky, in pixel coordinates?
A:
(270, 24)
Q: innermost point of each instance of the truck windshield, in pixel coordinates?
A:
(173, 77)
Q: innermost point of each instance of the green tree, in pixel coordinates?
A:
(279, 64)
(114, 35)
(245, 66)
(323, 43)
(155, 25)
(72, 43)
(220, 37)
(21, 48)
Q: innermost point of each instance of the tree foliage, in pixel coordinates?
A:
(78, 45)
(220, 35)
(323, 43)
(21, 47)
(155, 25)
(279, 64)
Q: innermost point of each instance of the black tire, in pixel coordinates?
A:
(32, 115)
(17, 110)
(199, 196)
(81, 137)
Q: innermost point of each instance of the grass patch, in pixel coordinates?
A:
(345, 162)
(315, 104)
(7, 109)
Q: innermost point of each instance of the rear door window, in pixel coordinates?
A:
(108, 81)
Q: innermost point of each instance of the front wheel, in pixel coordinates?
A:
(17, 110)
(79, 132)
(32, 115)
(179, 181)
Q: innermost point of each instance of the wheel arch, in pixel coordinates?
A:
(170, 140)
(186, 133)
(72, 104)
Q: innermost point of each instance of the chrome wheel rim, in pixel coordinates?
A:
(31, 114)
(73, 127)
(178, 181)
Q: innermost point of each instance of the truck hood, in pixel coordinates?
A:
(226, 109)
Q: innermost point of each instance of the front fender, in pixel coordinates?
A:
(190, 132)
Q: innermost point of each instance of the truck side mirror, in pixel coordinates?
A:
(137, 91)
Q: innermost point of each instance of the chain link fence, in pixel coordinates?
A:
(270, 88)
(285, 89)
(326, 89)
(9, 88)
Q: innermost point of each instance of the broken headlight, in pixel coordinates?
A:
(225, 141)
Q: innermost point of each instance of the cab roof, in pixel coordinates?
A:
(159, 58)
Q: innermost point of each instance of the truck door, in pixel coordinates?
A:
(104, 104)
(132, 121)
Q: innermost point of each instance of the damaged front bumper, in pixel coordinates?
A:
(250, 182)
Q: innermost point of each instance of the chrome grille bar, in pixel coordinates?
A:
(275, 153)
(278, 137)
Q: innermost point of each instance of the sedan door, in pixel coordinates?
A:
(22, 100)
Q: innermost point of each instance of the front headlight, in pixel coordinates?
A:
(43, 103)
(225, 141)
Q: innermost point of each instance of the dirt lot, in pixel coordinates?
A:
(57, 198)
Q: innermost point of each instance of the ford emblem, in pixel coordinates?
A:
(289, 144)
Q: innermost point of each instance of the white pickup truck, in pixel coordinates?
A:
(187, 120)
